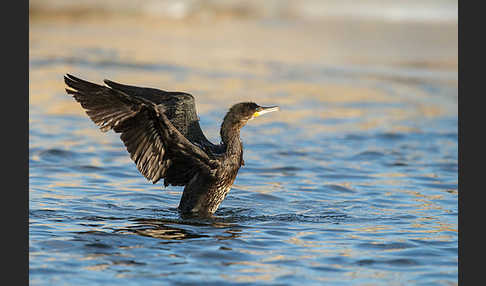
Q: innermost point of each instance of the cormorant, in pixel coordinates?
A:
(161, 131)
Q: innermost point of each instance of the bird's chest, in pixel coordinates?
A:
(227, 174)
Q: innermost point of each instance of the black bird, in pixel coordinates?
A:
(161, 131)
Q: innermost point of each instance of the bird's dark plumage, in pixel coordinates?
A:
(161, 131)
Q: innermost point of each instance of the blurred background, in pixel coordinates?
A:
(233, 50)
(353, 182)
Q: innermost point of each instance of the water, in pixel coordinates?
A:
(353, 182)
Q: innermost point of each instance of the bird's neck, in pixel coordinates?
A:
(230, 135)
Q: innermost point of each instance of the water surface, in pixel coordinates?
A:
(354, 182)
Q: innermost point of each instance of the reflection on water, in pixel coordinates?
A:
(354, 182)
(168, 230)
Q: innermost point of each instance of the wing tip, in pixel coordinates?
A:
(108, 82)
(73, 82)
(113, 85)
(68, 80)
(70, 77)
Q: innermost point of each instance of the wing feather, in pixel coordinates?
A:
(180, 110)
(158, 148)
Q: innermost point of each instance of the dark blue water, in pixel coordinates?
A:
(342, 187)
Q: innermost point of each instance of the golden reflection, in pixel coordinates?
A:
(274, 258)
(68, 144)
(97, 267)
(373, 229)
(228, 91)
(186, 35)
(296, 240)
(94, 133)
(65, 184)
(93, 256)
(96, 162)
(255, 252)
(244, 73)
(387, 175)
(247, 278)
(259, 271)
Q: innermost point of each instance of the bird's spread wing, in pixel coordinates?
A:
(180, 110)
(158, 148)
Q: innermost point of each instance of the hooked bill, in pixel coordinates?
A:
(262, 110)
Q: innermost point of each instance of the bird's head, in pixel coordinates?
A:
(245, 111)
(240, 113)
